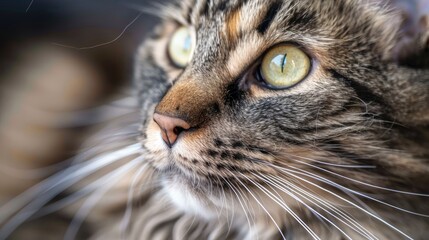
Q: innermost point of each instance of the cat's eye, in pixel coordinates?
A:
(284, 66)
(181, 47)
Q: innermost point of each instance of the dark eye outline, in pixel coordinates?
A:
(257, 74)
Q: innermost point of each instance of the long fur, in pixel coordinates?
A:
(342, 155)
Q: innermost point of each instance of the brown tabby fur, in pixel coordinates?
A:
(348, 145)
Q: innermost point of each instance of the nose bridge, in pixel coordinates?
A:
(191, 100)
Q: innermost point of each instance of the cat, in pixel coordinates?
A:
(253, 119)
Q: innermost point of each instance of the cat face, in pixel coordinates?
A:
(217, 121)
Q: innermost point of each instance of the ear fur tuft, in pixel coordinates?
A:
(412, 46)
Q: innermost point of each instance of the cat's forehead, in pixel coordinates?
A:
(226, 22)
(261, 15)
(237, 32)
(237, 18)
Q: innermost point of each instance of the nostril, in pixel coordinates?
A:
(171, 127)
(178, 130)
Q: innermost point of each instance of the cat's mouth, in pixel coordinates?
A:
(205, 195)
(192, 192)
(194, 182)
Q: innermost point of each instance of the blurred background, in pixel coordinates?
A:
(59, 58)
(83, 24)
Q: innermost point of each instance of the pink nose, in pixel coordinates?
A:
(171, 127)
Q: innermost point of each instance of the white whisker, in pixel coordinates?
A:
(30, 201)
(105, 43)
(189, 228)
(364, 183)
(238, 198)
(284, 206)
(109, 181)
(127, 215)
(224, 202)
(332, 164)
(306, 205)
(290, 172)
(360, 229)
(261, 205)
(339, 186)
(37, 173)
(34, 173)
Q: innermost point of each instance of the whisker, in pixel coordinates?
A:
(332, 183)
(155, 10)
(307, 206)
(246, 202)
(31, 200)
(29, 5)
(43, 172)
(224, 202)
(95, 197)
(80, 118)
(238, 198)
(359, 201)
(360, 229)
(284, 206)
(127, 215)
(364, 183)
(189, 228)
(124, 101)
(260, 204)
(290, 172)
(104, 43)
(333, 164)
(119, 136)
(72, 198)
(34, 173)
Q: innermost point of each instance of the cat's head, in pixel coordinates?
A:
(243, 97)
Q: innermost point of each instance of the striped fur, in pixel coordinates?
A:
(350, 117)
(342, 155)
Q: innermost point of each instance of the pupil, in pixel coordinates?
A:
(284, 62)
(278, 63)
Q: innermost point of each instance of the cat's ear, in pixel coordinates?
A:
(412, 44)
(409, 48)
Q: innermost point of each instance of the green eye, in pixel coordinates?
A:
(181, 47)
(285, 66)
